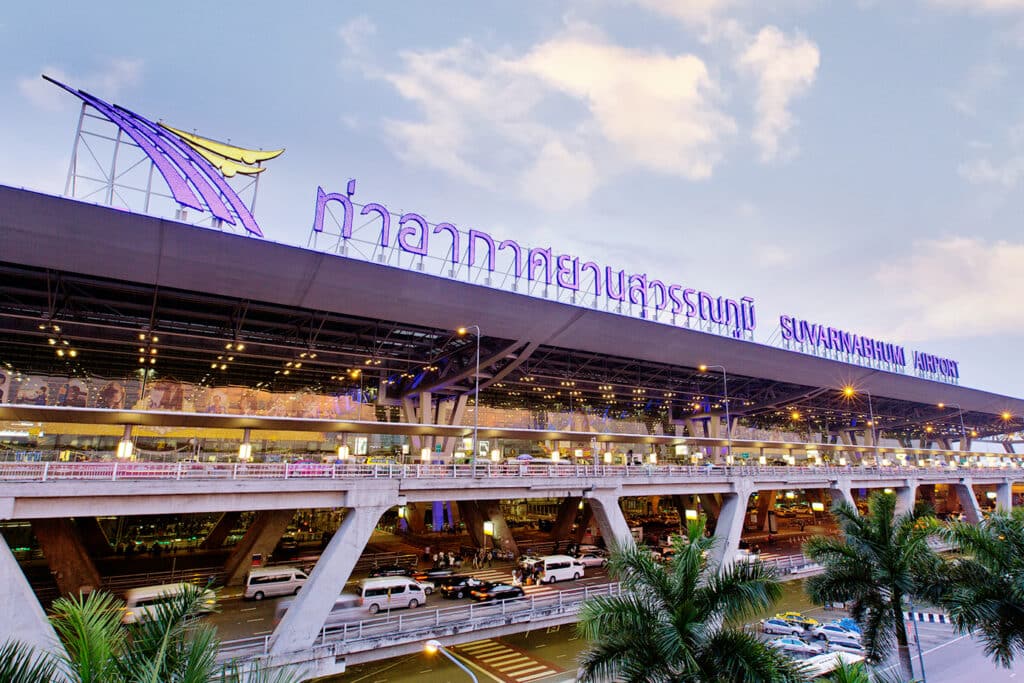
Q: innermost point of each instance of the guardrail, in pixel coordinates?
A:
(408, 625)
(141, 471)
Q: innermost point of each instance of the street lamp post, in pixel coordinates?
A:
(960, 414)
(476, 393)
(725, 391)
(433, 646)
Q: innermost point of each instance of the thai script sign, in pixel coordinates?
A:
(534, 267)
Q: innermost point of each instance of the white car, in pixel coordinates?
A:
(781, 627)
(795, 646)
(851, 646)
(593, 558)
(830, 632)
(427, 586)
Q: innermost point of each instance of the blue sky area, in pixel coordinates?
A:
(853, 163)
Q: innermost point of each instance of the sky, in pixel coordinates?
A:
(853, 163)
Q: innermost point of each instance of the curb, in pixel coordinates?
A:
(927, 617)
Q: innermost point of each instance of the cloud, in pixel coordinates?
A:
(981, 6)
(574, 109)
(955, 287)
(1007, 174)
(690, 12)
(357, 32)
(108, 83)
(783, 68)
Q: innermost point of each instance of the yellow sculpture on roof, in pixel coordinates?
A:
(228, 159)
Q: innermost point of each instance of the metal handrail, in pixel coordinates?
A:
(144, 471)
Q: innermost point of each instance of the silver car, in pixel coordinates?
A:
(795, 646)
(780, 627)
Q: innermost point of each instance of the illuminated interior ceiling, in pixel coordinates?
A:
(206, 339)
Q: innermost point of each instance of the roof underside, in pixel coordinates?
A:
(107, 283)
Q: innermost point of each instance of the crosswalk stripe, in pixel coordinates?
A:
(533, 677)
(497, 660)
(479, 645)
(528, 668)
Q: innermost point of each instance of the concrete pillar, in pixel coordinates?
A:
(491, 511)
(765, 502)
(220, 531)
(306, 616)
(585, 521)
(968, 503)
(1004, 496)
(414, 518)
(70, 564)
(610, 520)
(474, 520)
(712, 504)
(267, 528)
(453, 513)
(438, 515)
(842, 492)
(730, 525)
(567, 511)
(23, 616)
(1008, 447)
(905, 498)
(93, 537)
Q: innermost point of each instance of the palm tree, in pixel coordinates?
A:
(873, 567)
(170, 646)
(679, 621)
(858, 672)
(983, 589)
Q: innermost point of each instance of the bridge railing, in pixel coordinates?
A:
(136, 471)
(404, 625)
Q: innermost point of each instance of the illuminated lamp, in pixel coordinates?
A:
(608, 458)
(495, 455)
(762, 460)
(245, 451)
(691, 514)
(653, 458)
(578, 453)
(343, 452)
(842, 461)
(817, 507)
(555, 456)
(991, 495)
(124, 449)
(425, 455)
(682, 449)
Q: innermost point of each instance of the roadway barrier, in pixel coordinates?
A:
(136, 471)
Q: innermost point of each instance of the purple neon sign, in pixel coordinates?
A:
(193, 181)
(478, 249)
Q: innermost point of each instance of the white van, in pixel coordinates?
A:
(141, 603)
(271, 582)
(391, 592)
(558, 568)
(348, 607)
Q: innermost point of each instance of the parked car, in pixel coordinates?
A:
(795, 646)
(390, 570)
(797, 618)
(851, 646)
(849, 624)
(781, 627)
(493, 592)
(433, 574)
(458, 587)
(593, 559)
(830, 632)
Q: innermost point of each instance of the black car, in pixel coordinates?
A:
(390, 570)
(435, 576)
(458, 587)
(493, 592)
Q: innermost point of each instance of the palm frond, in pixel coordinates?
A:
(20, 663)
(90, 629)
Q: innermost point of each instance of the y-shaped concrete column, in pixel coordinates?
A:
(65, 553)
(267, 528)
(610, 520)
(567, 511)
(968, 503)
(765, 502)
(304, 619)
(491, 510)
(730, 524)
(220, 531)
(24, 619)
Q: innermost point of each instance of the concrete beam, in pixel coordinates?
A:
(220, 531)
(267, 528)
(730, 526)
(70, 564)
(23, 616)
(304, 619)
